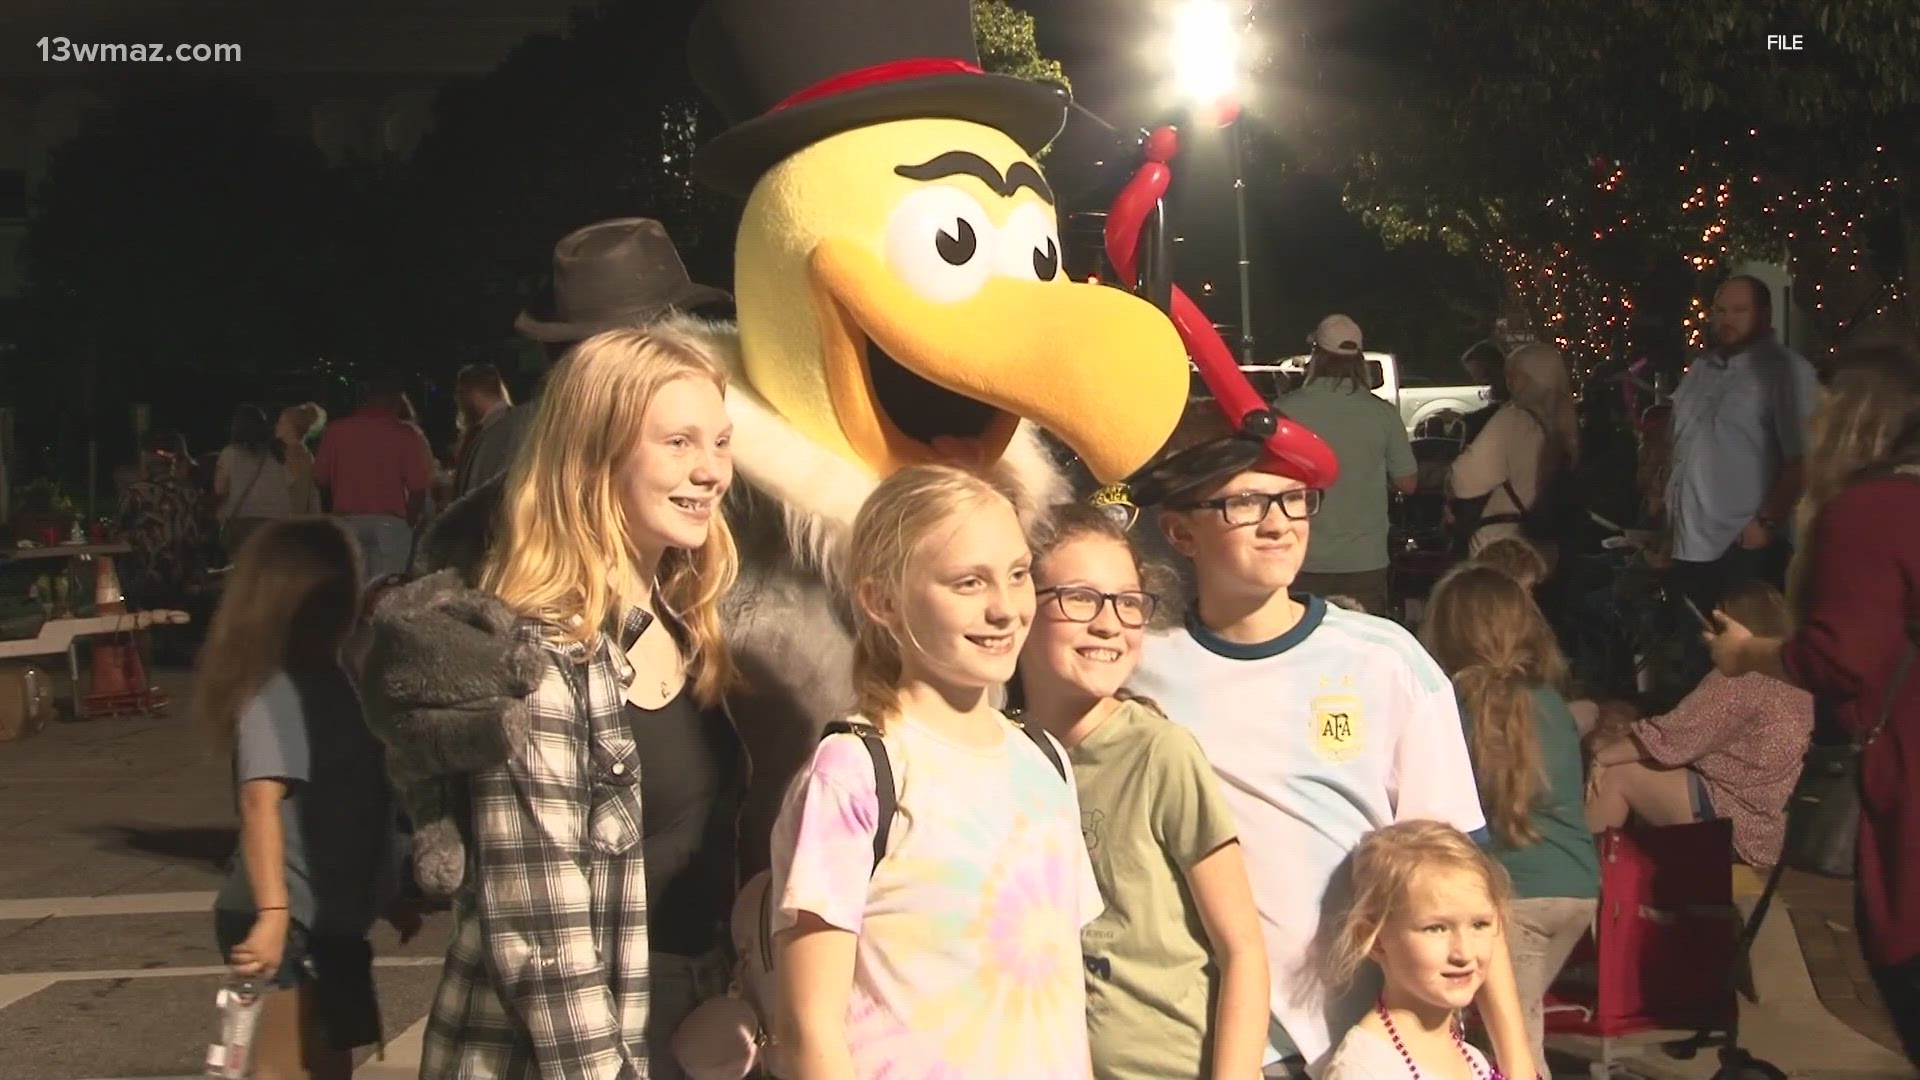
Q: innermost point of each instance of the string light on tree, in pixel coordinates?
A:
(1584, 315)
(1726, 211)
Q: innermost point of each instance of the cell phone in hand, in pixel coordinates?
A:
(1705, 622)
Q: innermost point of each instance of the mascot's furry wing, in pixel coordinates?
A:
(901, 300)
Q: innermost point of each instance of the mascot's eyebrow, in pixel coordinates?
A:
(961, 163)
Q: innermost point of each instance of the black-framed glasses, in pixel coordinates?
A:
(1252, 507)
(1080, 604)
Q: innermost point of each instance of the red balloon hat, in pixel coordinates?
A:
(1278, 445)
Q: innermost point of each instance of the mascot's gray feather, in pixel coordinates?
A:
(445, 686)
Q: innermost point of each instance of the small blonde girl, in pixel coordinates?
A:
(1176, 969)
(1429, 907)
(1516, 558)
(954, 948)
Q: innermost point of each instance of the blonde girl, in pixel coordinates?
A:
(1429, 908)
(316, 820)
(1530, 441)
(1176, 970)
(1491, 640)
(955, 951)
(603, 848)
(1516, 558)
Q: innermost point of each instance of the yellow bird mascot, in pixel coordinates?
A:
(901, 300)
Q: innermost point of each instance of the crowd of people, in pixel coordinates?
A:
(1086, 815)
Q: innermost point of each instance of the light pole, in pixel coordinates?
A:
(1207, 45)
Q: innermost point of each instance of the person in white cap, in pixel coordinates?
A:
(1349, 552)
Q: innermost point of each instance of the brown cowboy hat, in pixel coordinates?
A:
(611, 274)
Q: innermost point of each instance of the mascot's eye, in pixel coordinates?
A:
(1029, 245)
(1046, 263)
(959, 246)
(940, 243)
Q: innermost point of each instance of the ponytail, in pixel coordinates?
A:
(1505, 747)
(1490, 638)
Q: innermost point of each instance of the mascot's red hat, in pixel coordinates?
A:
(788, 75)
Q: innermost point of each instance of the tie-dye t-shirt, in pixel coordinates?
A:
(968, 961)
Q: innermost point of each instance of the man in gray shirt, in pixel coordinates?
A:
(1740, 421)
(1349, 556)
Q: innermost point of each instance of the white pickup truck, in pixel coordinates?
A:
(1427, 411)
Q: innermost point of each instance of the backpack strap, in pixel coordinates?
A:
(888, 797)
(1045, 744)
(883, 788)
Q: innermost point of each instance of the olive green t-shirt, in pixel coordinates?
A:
(1150, 809)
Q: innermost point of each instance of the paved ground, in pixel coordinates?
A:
(113, 832)
(112, 837)
(1823, 918)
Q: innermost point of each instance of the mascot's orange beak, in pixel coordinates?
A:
(916, 381)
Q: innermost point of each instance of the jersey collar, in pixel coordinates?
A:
(1260, 650)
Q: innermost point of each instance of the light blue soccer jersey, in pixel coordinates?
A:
(1336, 728)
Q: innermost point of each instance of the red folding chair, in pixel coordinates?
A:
(1663, 953)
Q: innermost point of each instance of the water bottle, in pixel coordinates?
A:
(239, 1003)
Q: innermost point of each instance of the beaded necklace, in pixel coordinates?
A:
(1380, 1008)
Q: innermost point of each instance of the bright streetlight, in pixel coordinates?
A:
(1206, 47)
(1207, 44)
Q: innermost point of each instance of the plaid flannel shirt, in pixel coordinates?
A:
(546, 976)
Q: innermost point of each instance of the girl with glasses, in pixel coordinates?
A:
(1176, 972)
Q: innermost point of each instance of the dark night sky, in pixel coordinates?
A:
(283, 36)
(1309, 256)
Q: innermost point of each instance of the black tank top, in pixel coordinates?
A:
(692, 778)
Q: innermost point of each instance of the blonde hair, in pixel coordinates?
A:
(896, 519)
(1490, 638)
(305, 418)
(561, 554)
(1869, 417)
(1385, 868)
(1539, 384)
(290, 600)
(1516, 558)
